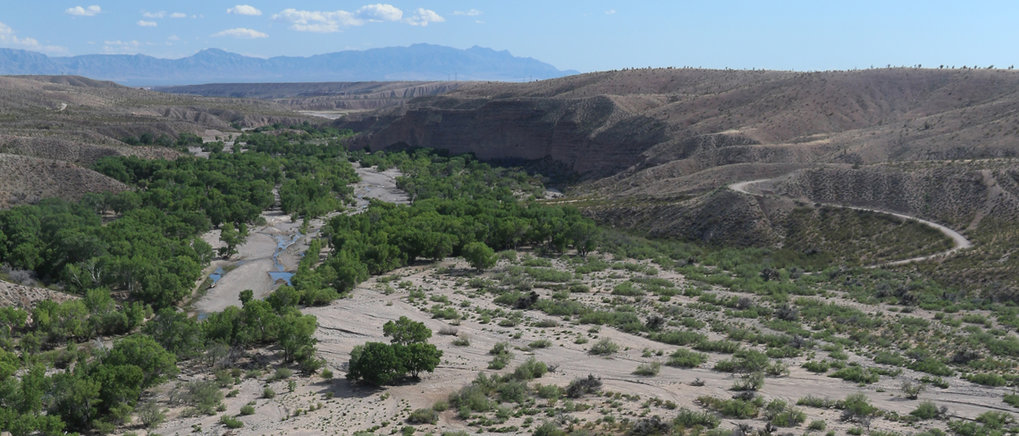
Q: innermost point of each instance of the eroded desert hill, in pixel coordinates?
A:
(52, 128)
(600, 124)
(655, 149)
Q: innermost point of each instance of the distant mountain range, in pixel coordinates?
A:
(416, 62)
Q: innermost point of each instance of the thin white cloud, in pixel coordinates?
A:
(8, 38)
(121, 47)
(334, 21)
(469, 13)
(160, 14)
(242, 33)
(178, 15)
(79, 11)
(422, 17)
(379, 12)
(173, 38)
(317, 21)
(610, 12)
(144, 23)
(244, 10)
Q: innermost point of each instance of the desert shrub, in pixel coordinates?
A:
(732, 408)
(604, 347)
(748, 382)
(423, 416)
(541, 343)
(682, 358)
(934, 381)
(548, 429)
(582, 386)
(502, 356)
(887, 358)
(816, 366)
(150, 414)
(818, 402)
(247, 409)
(627, 289)
(856, 374)
(530, 369)
(549, 275)
(856, 407)
(512, 391)
(925, 410)
(932, 366)
(780, 414)
(649, 426)
(986, 379)
(202, 397)
(744, 361)
(689, 419)
(471, 398)
(1011, 400)
(648, 369)
(678, 337)
(912, 390)
(230, 422)
(726, 347)
(268, 393)
(548, 391)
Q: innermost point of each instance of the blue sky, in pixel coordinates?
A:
(583, 35)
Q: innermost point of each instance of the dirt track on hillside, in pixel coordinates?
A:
(959, 242)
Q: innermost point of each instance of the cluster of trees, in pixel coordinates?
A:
(409, 352)
(155, 256)
(317, 174)
(98, 393)
(90, 388)
(469, 212)
(428, 174)
(273, 321)
(163, 140)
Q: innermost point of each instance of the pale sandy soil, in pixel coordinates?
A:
(358, 319)
(248, 269)
(378, 185)
(343, 408)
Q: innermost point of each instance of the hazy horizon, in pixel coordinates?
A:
(588, 36)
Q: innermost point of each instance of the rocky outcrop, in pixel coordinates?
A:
(591, 137)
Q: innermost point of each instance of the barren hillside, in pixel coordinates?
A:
(713, 118)
(52, 128)
(322, 96)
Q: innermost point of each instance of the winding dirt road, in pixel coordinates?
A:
(959, 242)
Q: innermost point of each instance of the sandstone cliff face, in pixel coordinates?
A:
(590, 136)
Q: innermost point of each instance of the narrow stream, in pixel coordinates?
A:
(282, 243)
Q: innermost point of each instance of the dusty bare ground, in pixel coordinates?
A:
(346, 408)
(380, 185)
(25, 297)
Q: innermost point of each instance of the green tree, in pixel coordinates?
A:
(296, 336)
(418, 357)
(176, 332)
(374, 363)
(405, 332)
(141, 350)
(232, 237)
(479, 255)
